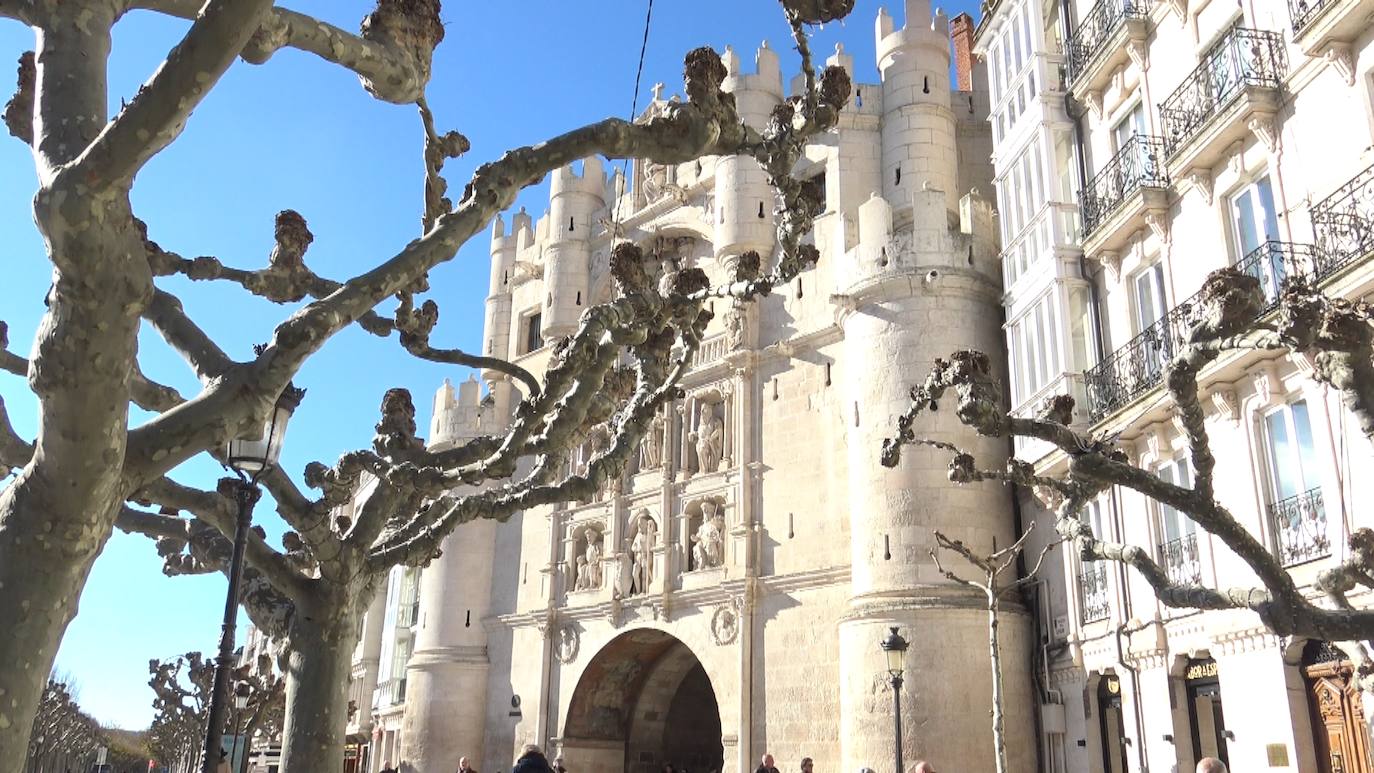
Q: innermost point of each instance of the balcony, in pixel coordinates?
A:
(392, 692)
(408, 614)
(1234, 91)
(1322, 24)
(1344, 225)
(1116, 201)
(1139, 366)
(1093, 602)
(1300, 526)
(1180, 560)
(1103, 42)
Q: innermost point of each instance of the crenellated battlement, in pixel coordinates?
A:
(462, 413)
(922, 29)
(591, 180)
(767, 75)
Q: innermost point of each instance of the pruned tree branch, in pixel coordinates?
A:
(169, 319)
(18, 115)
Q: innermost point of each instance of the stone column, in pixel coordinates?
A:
(446, 688)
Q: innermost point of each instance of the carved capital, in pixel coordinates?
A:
(1111, 261)
(1095, 103)
(1224, 402)
(1139, 51)
(1159, 225)
(1179, 7)
(1201, 181)
(1339, 58)
(1154, 441)
(1266, 130)
(1267, 384)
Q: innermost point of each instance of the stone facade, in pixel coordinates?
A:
(727, 597)
(1197, 134)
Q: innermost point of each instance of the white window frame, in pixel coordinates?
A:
(1309, 470)
(1160, 298)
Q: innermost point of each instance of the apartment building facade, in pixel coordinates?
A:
(1138, 146)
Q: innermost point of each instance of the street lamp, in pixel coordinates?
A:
(249, 457)
(241, 692)
(894, 646)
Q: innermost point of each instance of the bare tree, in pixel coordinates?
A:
(994, 588)
(64, 737)
(181, 705)
(75, 478)
(1337, 338)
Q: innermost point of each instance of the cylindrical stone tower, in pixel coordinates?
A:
(496, 328)
(573, 201)
(446, 678)
(744, 200)
(918, 125)
(908, 296)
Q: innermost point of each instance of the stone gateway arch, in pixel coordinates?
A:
(642, 701)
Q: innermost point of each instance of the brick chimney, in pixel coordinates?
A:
(961, 32)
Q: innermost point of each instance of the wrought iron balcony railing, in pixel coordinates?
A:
(1139, 365)
(1344, 225)
(392, 692)
(1096, 28)
(1300, 523)
(1274, 262)
(1304, 11)
(1093, 601)
(1181, 561)
(1244, 58)
(1138, 164)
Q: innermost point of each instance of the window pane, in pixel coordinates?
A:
(1307, 456)
(1265, 194)
(1287, 479)
(1249, 237)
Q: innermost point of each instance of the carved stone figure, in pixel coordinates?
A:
(568, 642)
(593, 559)
(642, 553)
(724, 625)
(708, 544)
(583, 581)
(709, 439)
(735, 326)
(651, 451)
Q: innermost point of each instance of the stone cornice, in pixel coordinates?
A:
(432, 657)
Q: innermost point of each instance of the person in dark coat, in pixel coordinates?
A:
(532, 760)
(766, 765)
(387, 767)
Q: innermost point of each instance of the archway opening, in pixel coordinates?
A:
(643, 701)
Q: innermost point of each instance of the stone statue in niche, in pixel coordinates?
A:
(709, 438)
(593, 559)
(708, 544)
(651, 450)
(655, 181)
(598, 440)
(642, 553)
(584, 580)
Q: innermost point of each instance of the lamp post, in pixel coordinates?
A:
(250, 458)
(241, 691)
(894, 646)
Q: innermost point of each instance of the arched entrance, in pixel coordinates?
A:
(643, 700)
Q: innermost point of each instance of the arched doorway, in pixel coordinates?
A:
(1338, 725)
(642, 701)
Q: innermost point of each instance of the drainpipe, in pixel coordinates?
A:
(1081, 168)
(1123, 578)
(1018, 525)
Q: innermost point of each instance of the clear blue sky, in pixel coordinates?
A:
(299, 133)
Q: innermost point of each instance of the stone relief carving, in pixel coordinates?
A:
(651, 450)
(724, 625)
(708, 544)
(588, 574)
(642, 553)
(568, 643)
(709, 438)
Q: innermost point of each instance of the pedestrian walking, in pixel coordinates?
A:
(807, 765)
(532, 760)
(464, 766)
(558, 765)
(923, 767)
(766, 765)
(1210, 765)
(386, 767)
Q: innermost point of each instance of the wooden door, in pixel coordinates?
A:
(1338, 727)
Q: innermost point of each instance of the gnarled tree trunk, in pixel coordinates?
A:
(323, 636)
